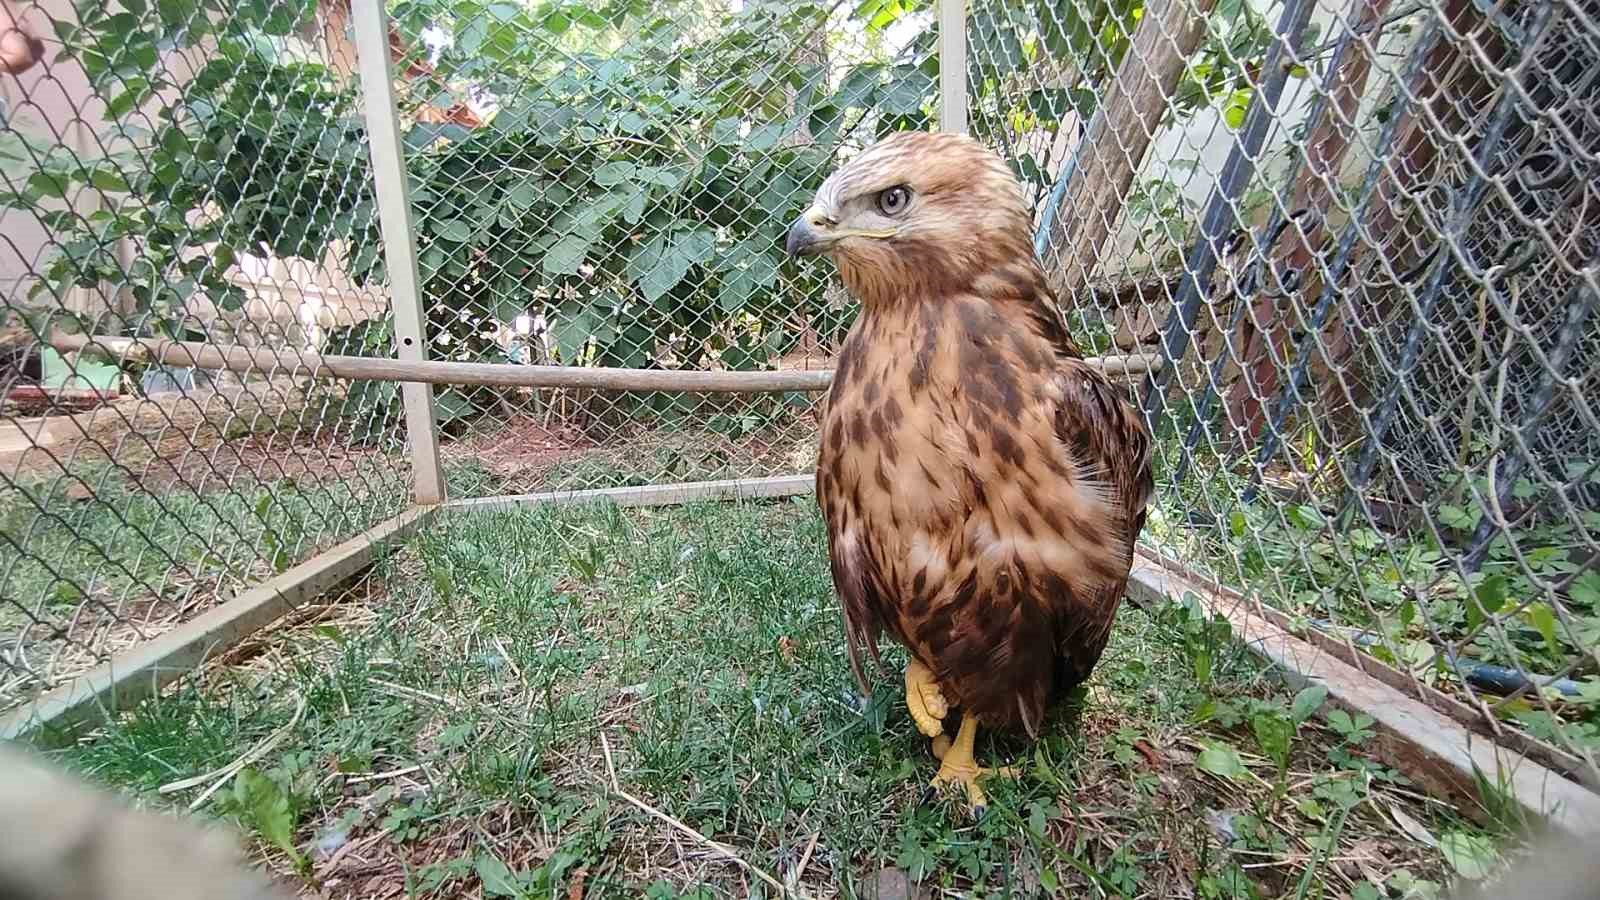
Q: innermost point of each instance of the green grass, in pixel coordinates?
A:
(99, 556)
(1533, 606)
(455, 728)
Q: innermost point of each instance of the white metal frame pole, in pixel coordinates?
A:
(371, 27)
(953, 66)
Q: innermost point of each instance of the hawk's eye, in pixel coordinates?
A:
(894, 201)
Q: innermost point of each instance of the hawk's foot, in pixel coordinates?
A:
(957, 765)
(925, 700)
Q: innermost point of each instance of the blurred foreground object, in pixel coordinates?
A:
(20, 50)
(1560, 868)
(63, 840)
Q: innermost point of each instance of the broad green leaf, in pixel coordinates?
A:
(1311, 809)
(1274, 734)
(1471, 855)
(825, 123)
(631, 122)
(644, 257)
(576, 322)
(633, 210)
(589, 220)
(725, 131)
(1307, 702)
(765, 137)
(497, 878)
(698, 245)
(267, 808)
(1487, 598)
(566, 255)
(858, 86)
(907, 92)
(1585, 590)
(659, 175)
(107, 178)
(1305, 518)
(524, 195)
(1542, 618)
(458, 230)
(1237, 107)
(681, 252)
(1222, 760)
(614, 173)
(557, 22)
(664, 275)
(1457, 518)
(43, 184)
(737, 286)
(451, 404)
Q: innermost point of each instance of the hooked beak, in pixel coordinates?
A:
(808, 235)
(814, 232)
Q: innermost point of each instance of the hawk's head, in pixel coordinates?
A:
(916, 214)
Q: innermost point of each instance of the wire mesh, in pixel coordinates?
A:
(590, 187)
(1364, 235)
(611, 188)
(193, 171)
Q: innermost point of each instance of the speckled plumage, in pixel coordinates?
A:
(982, 485)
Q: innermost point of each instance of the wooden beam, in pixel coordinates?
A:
(372, 38)
(652, 495)
(953, 66)
(367, 368)
(1119, 135)
(1431, 748)
(143, 670)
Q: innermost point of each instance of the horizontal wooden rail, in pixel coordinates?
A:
(650, 494)
(247, 359)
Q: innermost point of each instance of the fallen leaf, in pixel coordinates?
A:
(1220, 821)
(575, 889)
(786, 649)
(1412, 828)
(893, 884)
(1179, 756)
(1149, 753)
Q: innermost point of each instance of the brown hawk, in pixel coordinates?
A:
(982, 485)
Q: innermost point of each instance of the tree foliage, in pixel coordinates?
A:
(631, 183)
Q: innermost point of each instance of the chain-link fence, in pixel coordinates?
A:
(1364, 235)
(190, 171)
(617, 196)
(603, 187)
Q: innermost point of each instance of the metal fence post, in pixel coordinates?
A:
(1222, 209)
(953, 66)
(371, 28)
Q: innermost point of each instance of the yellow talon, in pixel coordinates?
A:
(925, 700)
(957, 765)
